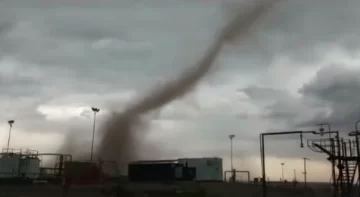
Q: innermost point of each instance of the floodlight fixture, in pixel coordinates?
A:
(94, 109)
(11, 122)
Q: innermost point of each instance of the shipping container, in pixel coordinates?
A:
(207, 169)
(152, 172)
(186, 169)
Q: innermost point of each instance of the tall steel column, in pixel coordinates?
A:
(282, 172)
(231, 157)
(305, 172)
(231, 151)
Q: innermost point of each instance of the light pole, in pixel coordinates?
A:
(282, 171)
(321, 126)
(11, 122)
(305, 170)
(231, 151)
(231, 157)
(95, 110)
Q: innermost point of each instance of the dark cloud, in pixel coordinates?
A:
(329, 97)
(337, 87)
(255, 92)
(302, 30)
(335, 84)
(18, 87)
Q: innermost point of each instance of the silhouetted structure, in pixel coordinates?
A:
(233, 175)
(344, 155)
(305, 172)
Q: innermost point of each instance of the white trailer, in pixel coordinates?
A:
(207, 169)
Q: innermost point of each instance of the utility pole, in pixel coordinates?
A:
(95, 110)
(305, 173)
(282, 172)
(294, 174)
(11, 122)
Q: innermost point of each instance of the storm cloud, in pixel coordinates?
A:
(298, 67)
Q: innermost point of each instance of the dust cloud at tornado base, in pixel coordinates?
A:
(123, 131)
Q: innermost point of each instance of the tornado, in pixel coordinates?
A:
(122, 131)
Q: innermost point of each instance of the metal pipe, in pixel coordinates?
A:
(155, 161)
(282, 172)
(284, 132)
(54, 154)
(262, 152)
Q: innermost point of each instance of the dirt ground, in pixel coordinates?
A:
(166, 190)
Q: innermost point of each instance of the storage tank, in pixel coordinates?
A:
(29, 167)
(9, 165)
(207, 169)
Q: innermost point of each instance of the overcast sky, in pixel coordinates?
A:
(297, 67)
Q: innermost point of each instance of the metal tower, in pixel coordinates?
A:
(344, 155)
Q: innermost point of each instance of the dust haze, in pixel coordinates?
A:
(124, 131)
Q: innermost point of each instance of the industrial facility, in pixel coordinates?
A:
(27, 167)
(18, 165)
